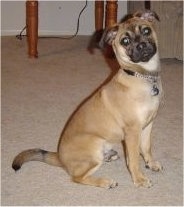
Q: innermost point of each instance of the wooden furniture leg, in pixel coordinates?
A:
(32, 21)
(32, 27)
(99, 15)
(111, 13)
(110, 20)
(147, 4)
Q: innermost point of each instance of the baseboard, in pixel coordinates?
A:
(43, 32)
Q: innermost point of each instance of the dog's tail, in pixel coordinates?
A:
(50, 158)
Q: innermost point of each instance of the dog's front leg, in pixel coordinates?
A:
(145, 145)
(132, 139)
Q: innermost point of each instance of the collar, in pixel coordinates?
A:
(150, 77)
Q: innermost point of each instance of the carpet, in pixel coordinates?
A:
(39, 95)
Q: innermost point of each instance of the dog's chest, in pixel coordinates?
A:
(147, 105)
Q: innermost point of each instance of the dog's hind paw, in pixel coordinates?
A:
(154, 165)
(112, 184)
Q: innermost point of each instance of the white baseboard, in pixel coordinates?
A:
(10, 32)
(43, 32)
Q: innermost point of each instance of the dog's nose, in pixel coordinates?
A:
(141, 46)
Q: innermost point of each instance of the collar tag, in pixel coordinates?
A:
(154, 90)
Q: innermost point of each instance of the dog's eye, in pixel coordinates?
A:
(125, 41)
(146, 31)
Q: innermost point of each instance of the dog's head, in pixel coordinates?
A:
(134, 40)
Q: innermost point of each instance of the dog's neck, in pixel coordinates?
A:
(152, 65)
(152, 77)
(149, 68)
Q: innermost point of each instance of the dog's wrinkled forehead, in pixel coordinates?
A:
(132, 27)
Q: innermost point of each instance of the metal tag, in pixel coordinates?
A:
(154, 91)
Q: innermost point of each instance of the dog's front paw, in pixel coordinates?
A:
(143, 181)
(154, 165)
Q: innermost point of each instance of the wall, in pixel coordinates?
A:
(55, 17)
(12, 17)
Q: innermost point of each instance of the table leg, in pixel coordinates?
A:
(111, 13)
(99, 15)
(110, 20)
(32, 27)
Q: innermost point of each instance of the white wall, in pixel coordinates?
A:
(55, 17)
(12, 17)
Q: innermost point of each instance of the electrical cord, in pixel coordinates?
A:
(20, 35)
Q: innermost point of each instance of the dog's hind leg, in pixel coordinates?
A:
(82, 157)
(87, 169)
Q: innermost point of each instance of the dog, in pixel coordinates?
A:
(121, 110)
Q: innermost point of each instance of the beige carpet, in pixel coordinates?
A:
(38, 96)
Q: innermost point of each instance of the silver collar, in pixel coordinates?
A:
(151, 78)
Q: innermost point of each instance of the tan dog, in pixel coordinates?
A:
(123, 109)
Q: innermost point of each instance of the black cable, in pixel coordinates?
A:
(19, 36)
(77, 30)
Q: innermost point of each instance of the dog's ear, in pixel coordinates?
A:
(108, 36)
(147, 15)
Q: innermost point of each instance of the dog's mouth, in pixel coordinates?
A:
(142, 54)
(145, 57)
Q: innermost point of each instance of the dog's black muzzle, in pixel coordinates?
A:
(143, 52)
